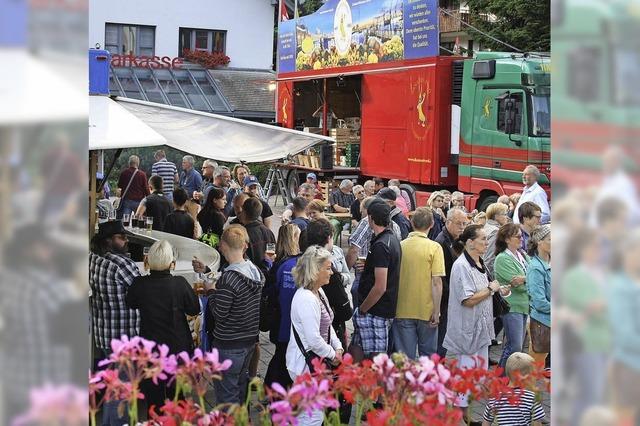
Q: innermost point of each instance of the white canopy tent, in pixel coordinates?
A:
(219, 137)
(113, 127)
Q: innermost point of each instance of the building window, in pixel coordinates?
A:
(199, 39)
(127, 39)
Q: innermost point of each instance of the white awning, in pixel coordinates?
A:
(32, 92)
(218, 137)
(111, 127)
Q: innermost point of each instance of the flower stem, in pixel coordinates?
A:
(202, 406)
(359, 409)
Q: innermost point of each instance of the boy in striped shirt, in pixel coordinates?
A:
(527, 410)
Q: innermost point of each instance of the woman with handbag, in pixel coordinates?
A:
(539, 288)
(312, 335)
(470, 309)
(212, 218)
(511, 272)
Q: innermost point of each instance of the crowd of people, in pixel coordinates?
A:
(424, 281)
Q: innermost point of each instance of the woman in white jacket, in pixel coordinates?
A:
(311, 319)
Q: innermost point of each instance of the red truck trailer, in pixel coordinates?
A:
(433, 122)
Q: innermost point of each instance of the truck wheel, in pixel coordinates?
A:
(293, 182)
(412, 194)
(486, 202)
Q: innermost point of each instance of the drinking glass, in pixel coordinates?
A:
(126, 220)
(271, 248)
(149, 223)
(145, 254)
(112, 215)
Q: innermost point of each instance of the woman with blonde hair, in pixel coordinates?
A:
(436, 202)
(311, 317)
(281, 287)
(480, 219)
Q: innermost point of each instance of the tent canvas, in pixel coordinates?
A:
(113, 127)
(219, 137)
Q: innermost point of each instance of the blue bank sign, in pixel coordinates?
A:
(355, 32)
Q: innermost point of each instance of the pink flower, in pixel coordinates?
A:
(64, 404)
(199, 370)
(307, 394)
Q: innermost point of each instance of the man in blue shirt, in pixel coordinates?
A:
(190, 181)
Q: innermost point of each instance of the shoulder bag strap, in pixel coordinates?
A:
(298, 341)
(324, 302)
(128, 185)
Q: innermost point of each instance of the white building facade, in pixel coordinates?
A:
(148, 38)
(242, 29)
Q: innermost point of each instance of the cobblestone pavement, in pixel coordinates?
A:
(267, 348)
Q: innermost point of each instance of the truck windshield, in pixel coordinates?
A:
(541, 115)
(626, 89)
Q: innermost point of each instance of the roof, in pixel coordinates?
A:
(246, 89)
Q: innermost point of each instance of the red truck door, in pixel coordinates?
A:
(384, 150)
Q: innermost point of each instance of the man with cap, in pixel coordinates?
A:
(389, 196)
(378, 287)
(252, 188)
(111, 273)
(312, 179)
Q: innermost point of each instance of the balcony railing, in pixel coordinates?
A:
(450, 21)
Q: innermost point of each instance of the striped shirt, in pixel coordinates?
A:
(235, 305)
(521, 413)
(109, 278)
(167, 171)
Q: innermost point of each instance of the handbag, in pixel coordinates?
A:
(500, 305)
(540, 336)
(117, 201)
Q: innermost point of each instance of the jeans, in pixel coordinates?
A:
(354, 289)
(127, 207)
(233, 386)
(411, 333)
(442, 330)
(514, 324)
(110, 415)
(591, 369)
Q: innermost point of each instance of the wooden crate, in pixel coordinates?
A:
(315, 161)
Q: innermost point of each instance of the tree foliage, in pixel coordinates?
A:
(309, 6)
(524, 24)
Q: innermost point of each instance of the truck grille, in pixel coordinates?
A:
(456, 87)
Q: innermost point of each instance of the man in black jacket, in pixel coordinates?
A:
(259, 234)
(455, 224)
(320, 232)
(155, 205)
(389, 196)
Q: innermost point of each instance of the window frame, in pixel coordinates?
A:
(519, 98)
(211, 33)
(120, 37)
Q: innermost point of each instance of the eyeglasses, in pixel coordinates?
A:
(518, 236)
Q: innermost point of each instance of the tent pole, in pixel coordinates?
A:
(106, 175)
(93, 167)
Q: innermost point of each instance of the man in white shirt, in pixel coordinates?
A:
(534, 193)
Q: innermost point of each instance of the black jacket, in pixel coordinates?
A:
(259, 236)
(163, 300)
(159, 208)
(446, 242)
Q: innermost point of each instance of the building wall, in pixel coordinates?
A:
(249, 24)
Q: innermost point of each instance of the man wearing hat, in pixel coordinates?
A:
(252, 188)
(111, 273)
(312, 179)
(378, 287)
(389, 196)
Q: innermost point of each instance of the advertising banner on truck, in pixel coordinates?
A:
(359, 32)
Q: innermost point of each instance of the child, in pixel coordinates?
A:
(527, 410)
